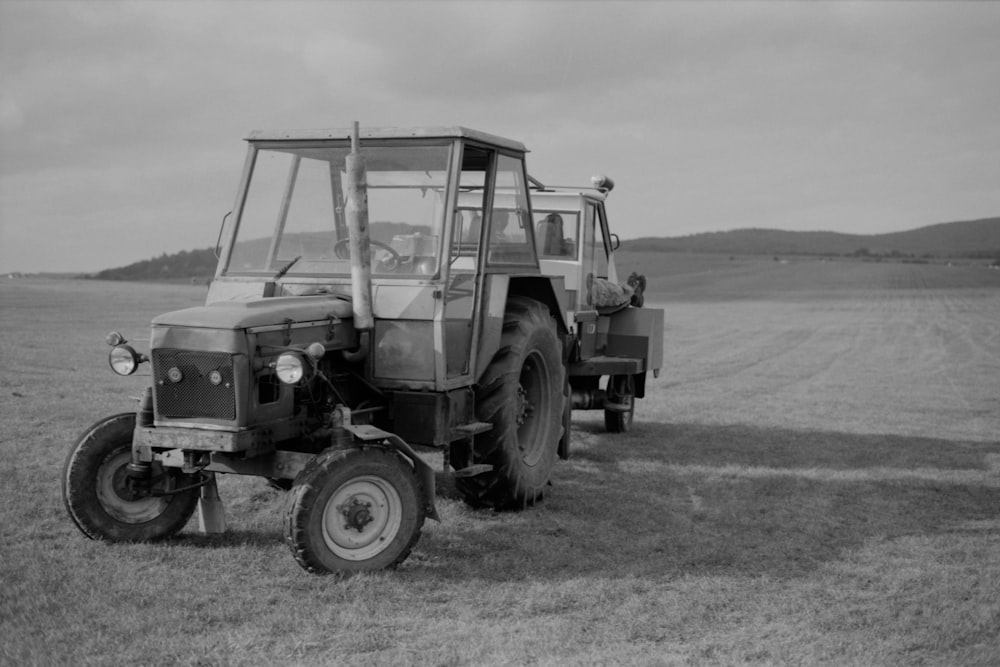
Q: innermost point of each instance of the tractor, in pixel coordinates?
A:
(384, 298)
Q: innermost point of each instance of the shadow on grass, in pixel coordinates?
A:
(231, 538)
(676, 499)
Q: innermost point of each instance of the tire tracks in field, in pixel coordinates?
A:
(789, 361)
(974, 351)
(932, 345)
(901, 354)
(739, 359)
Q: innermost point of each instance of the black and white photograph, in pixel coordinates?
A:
(485, 332)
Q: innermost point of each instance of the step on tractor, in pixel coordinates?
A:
(391, 308)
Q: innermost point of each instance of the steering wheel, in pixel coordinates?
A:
(389, 264)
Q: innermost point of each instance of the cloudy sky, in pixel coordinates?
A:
(121, 124)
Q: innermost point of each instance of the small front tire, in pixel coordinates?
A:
(97, 495)
(354, 510)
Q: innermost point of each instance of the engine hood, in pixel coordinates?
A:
(257, 313)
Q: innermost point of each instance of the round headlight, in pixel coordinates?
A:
(290, 368)
(123, 359)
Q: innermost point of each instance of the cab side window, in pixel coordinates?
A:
(556, 234)
(510, 240)
(469, 219)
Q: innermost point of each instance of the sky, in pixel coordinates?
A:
(122, 123)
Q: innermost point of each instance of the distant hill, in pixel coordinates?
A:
(185, 265)
(975, 239)
(970, 239)
(199, 265)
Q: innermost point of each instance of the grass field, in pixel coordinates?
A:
(813, 479)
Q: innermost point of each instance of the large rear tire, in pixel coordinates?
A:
(354, 510)
(97, 495)
(521, 395)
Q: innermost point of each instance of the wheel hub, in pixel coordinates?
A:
(120, 496)
(357, 513)
(125, 486)
(361, 518)
(521, 406)
(529, 402)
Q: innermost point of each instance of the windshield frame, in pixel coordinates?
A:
(437, 221)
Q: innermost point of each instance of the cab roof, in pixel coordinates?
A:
(389, 133)
(567, 196)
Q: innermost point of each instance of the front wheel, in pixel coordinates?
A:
(354, 510)
(99, 498)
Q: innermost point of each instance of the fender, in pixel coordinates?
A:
(548, 290)
(369, 433)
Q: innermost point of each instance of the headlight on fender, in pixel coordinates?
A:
(123, 359)
(291, 367)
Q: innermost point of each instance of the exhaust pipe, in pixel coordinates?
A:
(357, 230)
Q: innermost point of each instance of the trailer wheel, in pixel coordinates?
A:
(521, 394)
(621, 393)
(354, 510)
(98, 498)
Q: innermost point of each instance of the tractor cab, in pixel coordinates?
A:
(446, 207)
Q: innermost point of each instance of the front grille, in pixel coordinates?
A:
(192, 394)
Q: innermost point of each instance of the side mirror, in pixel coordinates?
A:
(615, 242)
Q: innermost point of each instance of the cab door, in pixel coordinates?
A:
(464, 259)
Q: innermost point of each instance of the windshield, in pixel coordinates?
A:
(293, 220)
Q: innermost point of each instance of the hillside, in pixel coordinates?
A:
(970, 239)
(200, 264)
(976, 239)
(185, 265)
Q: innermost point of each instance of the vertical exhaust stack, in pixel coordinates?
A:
(357, 230)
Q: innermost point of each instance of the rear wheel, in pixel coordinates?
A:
(621, 396)
(354, 510)
(100, 498)
(521, 395)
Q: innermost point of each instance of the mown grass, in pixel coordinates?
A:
(719, 531)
